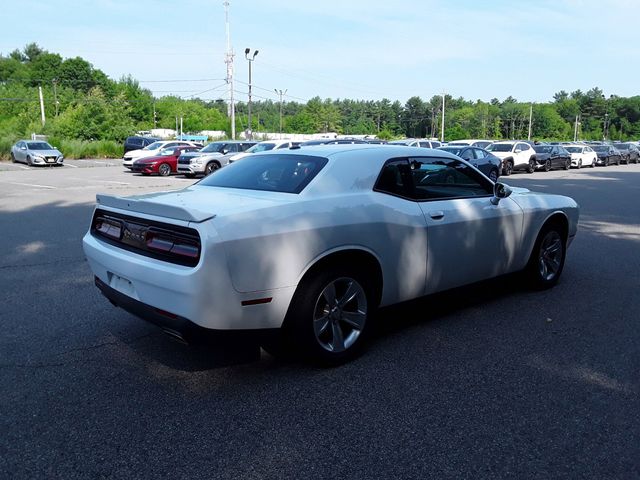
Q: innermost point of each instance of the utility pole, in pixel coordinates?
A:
(530, 118)
(55, 95)
(181, 131)
(250, 59)
(41, 105)
(442, 132)
(231, 110)
(281, 93)
(155, 118)
(177, 127)
(575, 129)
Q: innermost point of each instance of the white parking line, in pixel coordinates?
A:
(69, 165)
(33, 185)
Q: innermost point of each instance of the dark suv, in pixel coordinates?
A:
(136, 142)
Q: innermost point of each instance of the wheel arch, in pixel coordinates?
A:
(558, 218)
(358, 256)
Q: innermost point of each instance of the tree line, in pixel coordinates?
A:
(82, 102)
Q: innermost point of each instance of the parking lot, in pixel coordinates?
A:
(487, 381)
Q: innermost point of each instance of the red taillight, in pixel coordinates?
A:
(171, 244)
(109, 228)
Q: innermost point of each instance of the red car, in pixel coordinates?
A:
(164, 163)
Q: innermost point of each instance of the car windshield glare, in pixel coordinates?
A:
(500, 147)
(216, 147)
(167, 152)
(261, 147)
(273, 172)
(542, 149)
(39, 146)
(153, 146)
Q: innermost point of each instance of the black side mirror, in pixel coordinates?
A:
(500, 191)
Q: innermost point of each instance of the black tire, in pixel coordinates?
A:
(13, 158)
(211, 167)
(508, 168)
(493, 175)
(567, 164)
(547, 165)
(606, 162)
(29, 161)
(164, 170)
(579, 164)
(532, 165)
(593, 163)
(323, 334)
(547, 258)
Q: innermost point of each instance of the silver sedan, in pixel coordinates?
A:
(36, 152)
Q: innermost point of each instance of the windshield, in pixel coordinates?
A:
(167, 152)
(39, 146)
(454, 150)
(214, 147)
(542, 149)
(500, 147)
(261, 147)
(274, 173)
(601, 148)
(574, 149)
(154, 146)
(622, 146)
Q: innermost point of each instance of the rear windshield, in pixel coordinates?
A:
(542, 149)
(270, 172)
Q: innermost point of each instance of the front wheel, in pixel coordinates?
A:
(508, 168)
(547, 259)
(493, 175)
(567, 164)
(13, 158)
(593, 162)
(547, 165)
(330, 315)
(579, 164)
(211, 167)
(29, 162)
(164, 170)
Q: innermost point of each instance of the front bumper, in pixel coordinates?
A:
(191, 169)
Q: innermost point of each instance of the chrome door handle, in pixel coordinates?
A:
(437, 215)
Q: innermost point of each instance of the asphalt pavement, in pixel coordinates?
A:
(488, 381)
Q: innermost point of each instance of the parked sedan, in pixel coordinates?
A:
(417, 142)
(552, 156)
(582, 155)
(628, 151)
(301, 246)
(36, 152)
(152, 150)
(607, 155)
(484, 161)
(164, 163)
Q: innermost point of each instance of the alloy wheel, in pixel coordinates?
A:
(340, 314)
(550, 255)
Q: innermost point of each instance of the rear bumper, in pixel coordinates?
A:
(176, 326)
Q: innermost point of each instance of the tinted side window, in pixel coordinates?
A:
(440, 178)
(467, 154)
(284, 145)
(392, 178)
(479, 153)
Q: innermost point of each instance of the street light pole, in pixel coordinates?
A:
(250, 59)
(281, 93)
(442, 132)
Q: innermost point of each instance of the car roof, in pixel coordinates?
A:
(335, 150)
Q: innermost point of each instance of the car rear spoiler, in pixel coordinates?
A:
(154, 208)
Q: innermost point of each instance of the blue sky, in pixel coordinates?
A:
(346, 49)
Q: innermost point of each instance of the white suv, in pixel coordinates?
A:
(515, 155)
(263, 147)
(151, 150)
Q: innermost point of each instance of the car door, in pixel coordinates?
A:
(20, 152)
(468, 237)
(523, 153)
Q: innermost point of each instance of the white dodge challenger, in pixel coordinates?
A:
(304, 244)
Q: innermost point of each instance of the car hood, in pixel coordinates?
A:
(46, 153)
(196, 203)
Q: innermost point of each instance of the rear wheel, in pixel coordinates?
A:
(329, 317)
(508, 168)
(579, 164)
(567, 164)
(164, 169)
(547, 259)
(532, 165)
(493, 175)
(593, 162)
